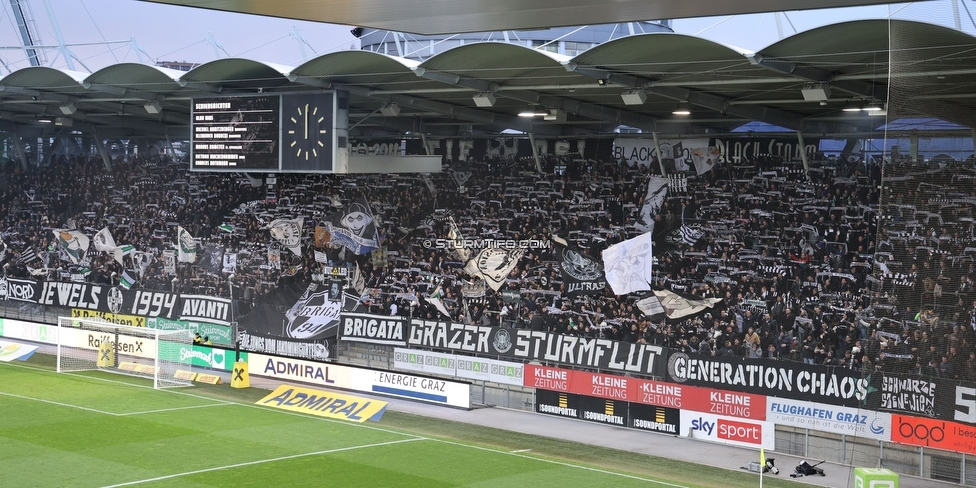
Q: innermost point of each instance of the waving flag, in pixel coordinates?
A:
(127, 281)
(73, 243)
(354, 227)
(657, 190)
(288, 232)
(628, 265)
(582, 274)
(186, 246)
(494, 264)
(104, 241)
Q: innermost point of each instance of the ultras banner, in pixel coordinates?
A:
(526, 345)
(784, 379)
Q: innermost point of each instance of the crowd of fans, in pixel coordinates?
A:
(832, 264)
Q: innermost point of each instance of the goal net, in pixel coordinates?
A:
(160, 355)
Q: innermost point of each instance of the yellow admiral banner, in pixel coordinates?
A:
(324, 404)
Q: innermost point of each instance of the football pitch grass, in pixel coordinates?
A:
(99, 429)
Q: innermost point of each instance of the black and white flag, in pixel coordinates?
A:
(582, 274)
(354, 228)
(677, 306)
(27, 255)
(213, 258)
(628, 265)
(657, 190)
(494, 264)
(288, 232)
(689, 235)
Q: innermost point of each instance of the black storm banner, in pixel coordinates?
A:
(527, 345)
(784, 379)
(375, 329)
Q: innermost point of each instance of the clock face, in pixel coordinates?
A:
(306, 131)
(307, 135)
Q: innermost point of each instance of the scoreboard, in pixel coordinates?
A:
(270, 133)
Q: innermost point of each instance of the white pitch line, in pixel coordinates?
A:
(263, 461)
(52, 402)
(161, 410)
(519, 450)
(560, 463)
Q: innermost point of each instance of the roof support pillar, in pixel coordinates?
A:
(535, 153)
(100, 146)
(803, 154)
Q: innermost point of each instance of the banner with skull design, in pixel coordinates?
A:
(494, 264)
(582, 274)
(288, 232)
(354, 227)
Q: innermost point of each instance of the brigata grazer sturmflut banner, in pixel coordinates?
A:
(784, 379)
(527, 345)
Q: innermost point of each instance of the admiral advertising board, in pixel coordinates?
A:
(432, 390)
(527, 345)
(374, 329)
(728, 430)
(829, 418)
(466, 367)
(635, 390)
(783, 379)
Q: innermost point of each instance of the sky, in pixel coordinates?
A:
(105, 32)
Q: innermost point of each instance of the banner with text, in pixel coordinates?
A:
(374, 329)
(466, 367)
(726, 430)
(527, 345)
(444, 392)
(635, 390)
(829, 418)
(783, 379)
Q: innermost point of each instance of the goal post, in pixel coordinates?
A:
(156, 354)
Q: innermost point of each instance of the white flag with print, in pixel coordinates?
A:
(627, 265)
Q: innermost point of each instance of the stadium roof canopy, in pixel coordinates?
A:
(635, 81)
(452, 16)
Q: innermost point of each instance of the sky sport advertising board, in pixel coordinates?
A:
(727, 430)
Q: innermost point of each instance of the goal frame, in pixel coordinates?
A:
(72, 346)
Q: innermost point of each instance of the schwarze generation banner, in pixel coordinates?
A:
(527, 345)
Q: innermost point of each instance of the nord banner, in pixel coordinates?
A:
(527, 345)
(813, 383)
(20, 290)
(375, 329)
